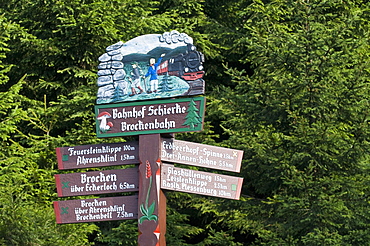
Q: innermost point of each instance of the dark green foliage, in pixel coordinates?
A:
(122, 233)
(287, 82)
(25, 223)
(302, 119)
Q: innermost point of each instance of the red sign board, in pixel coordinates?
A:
(201, 155)
(99, 209)
(150, 117)
(202, 183)
(98, 155)
(99, 182)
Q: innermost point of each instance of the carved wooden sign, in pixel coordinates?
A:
(202, 183)
(97, 155)
(150, 66)
(131, 76)
(150, 117)
(97, 182)
(98, 209)
(201, 155)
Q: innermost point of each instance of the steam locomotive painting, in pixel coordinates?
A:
(188, 65)
(150, 66)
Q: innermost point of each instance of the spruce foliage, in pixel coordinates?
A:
(287, 82)
(301, 116)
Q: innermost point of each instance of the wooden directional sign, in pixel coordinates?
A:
(150, 117)
(99, 182)
(99, 209)
(201, 155)
(98, 155)
(202, 183)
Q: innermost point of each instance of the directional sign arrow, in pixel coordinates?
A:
(201, 155)
(202, 183)
(98, 182)
(93, 210)
(98, 155)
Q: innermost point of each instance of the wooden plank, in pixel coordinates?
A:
(202, 183)
(98, 155)
(201, 155)
(150, 117)
(99, 182)
(98, 209)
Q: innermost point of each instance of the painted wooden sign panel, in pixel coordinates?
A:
(164, 116)
(151, 66)
(201, 155)
(98, 209)
(98, 155)
(202, 183)
(99, 182)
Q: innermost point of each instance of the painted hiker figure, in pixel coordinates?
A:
(135, 79)
(152, 71)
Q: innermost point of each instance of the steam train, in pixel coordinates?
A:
(188, 65)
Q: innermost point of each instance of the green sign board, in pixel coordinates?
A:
(150, 117)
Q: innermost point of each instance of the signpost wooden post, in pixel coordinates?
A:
(152, 201)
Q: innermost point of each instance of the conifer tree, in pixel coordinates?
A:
(192, 119)
(166, 83)
(48, 99)
(301, 116)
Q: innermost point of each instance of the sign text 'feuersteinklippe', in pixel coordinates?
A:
(98, 155)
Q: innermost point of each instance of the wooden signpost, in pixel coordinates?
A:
(125, 107)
